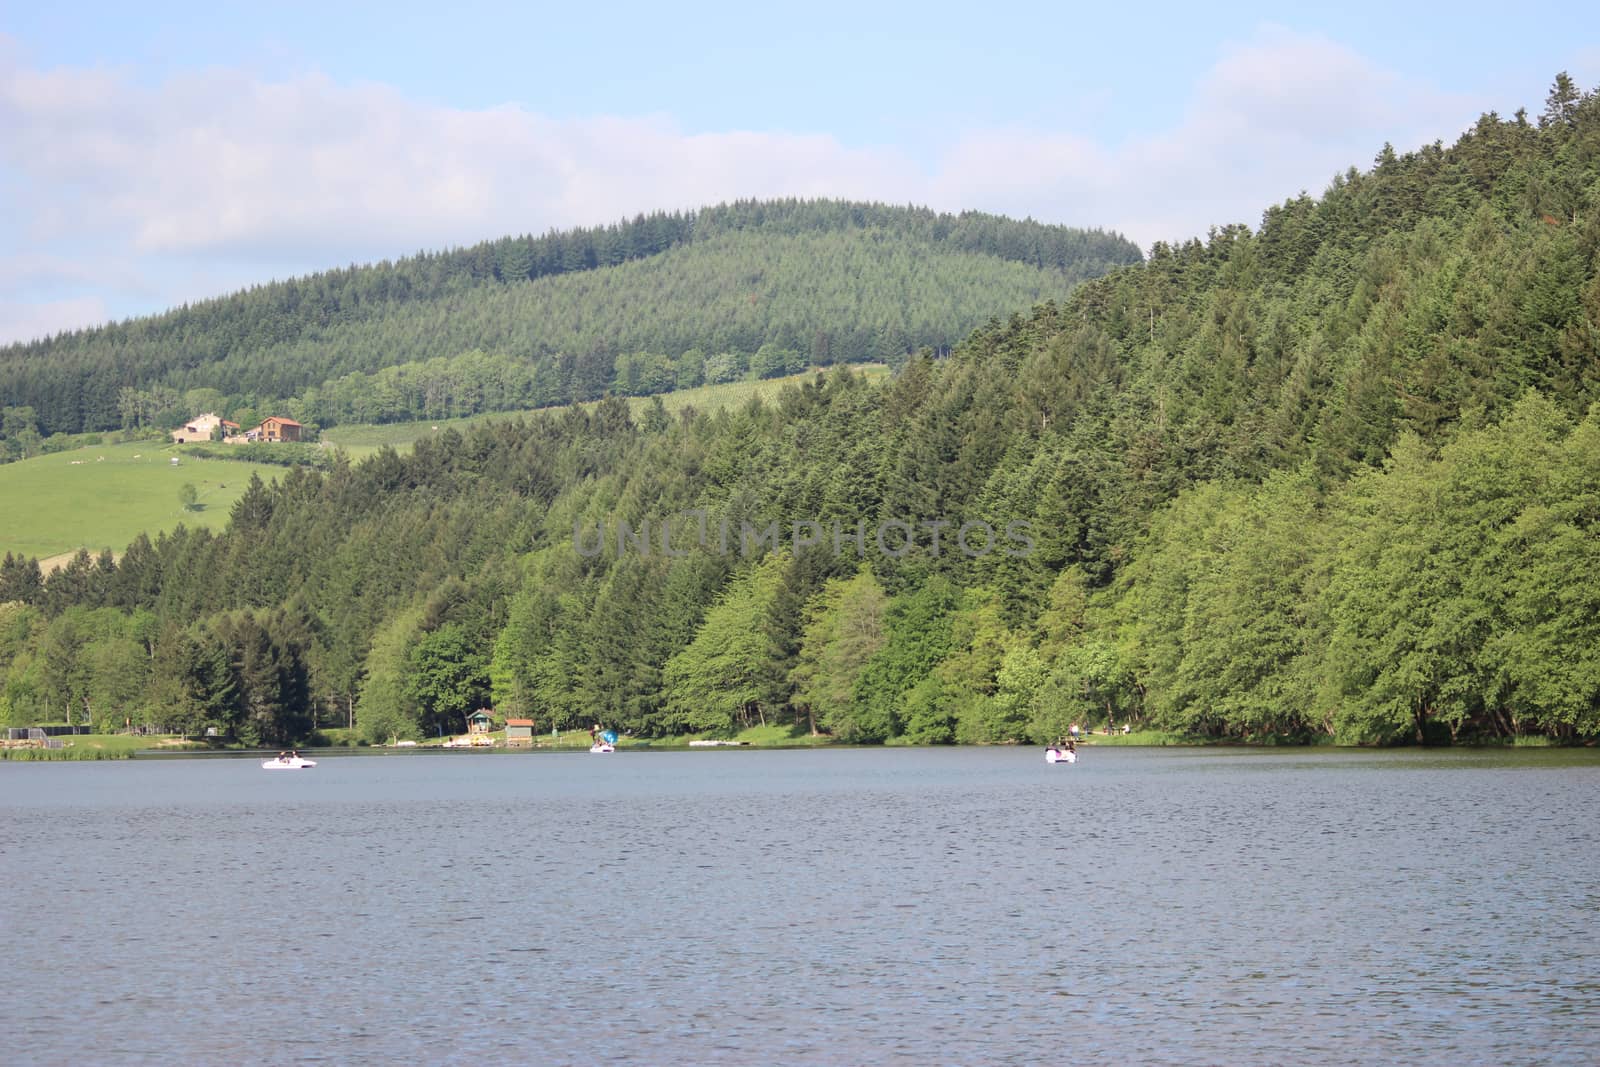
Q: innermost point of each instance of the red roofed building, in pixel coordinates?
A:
(276, 428)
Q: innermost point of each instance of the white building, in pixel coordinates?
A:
(201, 427)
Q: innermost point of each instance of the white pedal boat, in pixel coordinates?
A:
(292, 763)
(602, 746)
(1059, 755)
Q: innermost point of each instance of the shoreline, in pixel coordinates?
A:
(88, 747)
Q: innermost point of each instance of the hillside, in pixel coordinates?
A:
(662, 302)
(1330, 478)
(360, 440)
(101, 498)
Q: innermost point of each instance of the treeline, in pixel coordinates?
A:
(719, 311)
(1446, 595)
(1335, 477)
(1430, 599)
(838, 282)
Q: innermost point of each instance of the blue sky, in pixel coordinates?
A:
(157, 153)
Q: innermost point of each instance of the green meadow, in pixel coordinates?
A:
(105, 495)
(359, 440)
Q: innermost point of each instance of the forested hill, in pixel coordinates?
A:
(1337, 476)
(638, 307)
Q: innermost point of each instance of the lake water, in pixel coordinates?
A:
(854, 906)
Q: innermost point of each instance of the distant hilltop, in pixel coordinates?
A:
(660, 302)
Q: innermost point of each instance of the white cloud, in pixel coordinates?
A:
(219, 167)
(215, 162)
(27, 320)
(1277, 114)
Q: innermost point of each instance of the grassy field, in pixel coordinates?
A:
(101, 747)
(360, 440)
(103, 496)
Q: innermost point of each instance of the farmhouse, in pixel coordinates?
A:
(275, 428)
(201, 427)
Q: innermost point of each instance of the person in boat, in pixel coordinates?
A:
(1072, 746)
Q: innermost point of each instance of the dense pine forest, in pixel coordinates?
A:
(666, 301)
(1334, 476)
